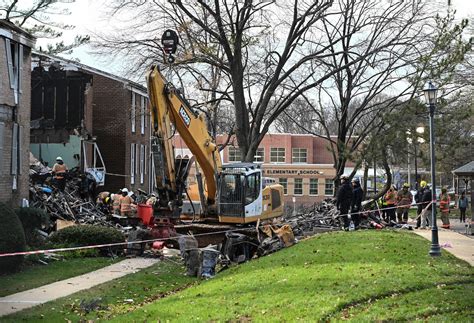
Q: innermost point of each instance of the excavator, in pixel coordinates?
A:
(231, 194)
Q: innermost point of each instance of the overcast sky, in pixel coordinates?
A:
(89, 16)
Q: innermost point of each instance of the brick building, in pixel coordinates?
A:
(303, 164)
(15, 56)
(88, 116)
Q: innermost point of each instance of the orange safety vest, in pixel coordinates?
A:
(444, 203)
(59, 170)
(390, 198)
(125, 203)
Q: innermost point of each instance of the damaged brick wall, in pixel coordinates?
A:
(11, 114)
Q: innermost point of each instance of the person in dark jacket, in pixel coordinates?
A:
(344, 200)
(357, 193)
(426, 198)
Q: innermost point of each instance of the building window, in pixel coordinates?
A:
(329, 187)
(313, 186)
(277, 155)
(142, 163)
(259, 156)
(133, 112)
(142, 115)
(299, 155)
(132, 164)
(298, 188)
(234, 154)
(284, 182)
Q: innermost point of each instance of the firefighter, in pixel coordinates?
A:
(391, 200)
(59, 172)
(344, 200)
(104, 201)
(444, 207)
(126, 203)
(404, 200)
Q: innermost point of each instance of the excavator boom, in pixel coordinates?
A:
(169, 109)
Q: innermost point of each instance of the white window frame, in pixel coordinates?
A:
(326, 182)
(133, 112)
(259, 158)
(236, 154)
(283, 181)
(137, 159)
(294, 186)
(142, 159)
(317, 187)
(278, 151)
(142, 115)
(296, 155)
(132, 163)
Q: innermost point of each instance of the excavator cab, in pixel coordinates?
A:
(240, 192)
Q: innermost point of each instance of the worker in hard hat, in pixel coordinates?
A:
(126, 203)
(422, 198)
(104, 201)
(59, 172)
(404, 200)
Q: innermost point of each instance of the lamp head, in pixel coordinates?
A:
(430, 92)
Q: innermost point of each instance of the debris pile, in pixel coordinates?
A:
(309, 220)
(76, 203)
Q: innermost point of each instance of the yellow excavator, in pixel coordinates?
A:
(232, 193)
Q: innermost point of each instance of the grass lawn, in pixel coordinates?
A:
(362, 275)
(38, 275)
(110, 299)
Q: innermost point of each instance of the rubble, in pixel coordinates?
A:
(76, 203)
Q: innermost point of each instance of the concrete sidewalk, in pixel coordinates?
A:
(456, 243)
(19, 301)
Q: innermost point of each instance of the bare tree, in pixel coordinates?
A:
(37, 18)
(403, 44)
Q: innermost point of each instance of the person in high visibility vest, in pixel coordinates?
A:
(390, 200)
(444, 208)
(404, 200)
(126, 203)
(59, 172)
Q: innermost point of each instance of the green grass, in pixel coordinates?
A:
(36, 275)
(363, 275)
(112, 298)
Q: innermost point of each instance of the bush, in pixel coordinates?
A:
(85, 235)
(12, 239)
(32, 218)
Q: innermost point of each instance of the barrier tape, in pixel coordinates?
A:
(45, 251)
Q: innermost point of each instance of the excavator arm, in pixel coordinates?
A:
(171, 113)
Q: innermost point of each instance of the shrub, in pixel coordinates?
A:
(32, 218)
(12, 239)
(85, 235)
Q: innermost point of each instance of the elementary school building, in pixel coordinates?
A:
(303, 164)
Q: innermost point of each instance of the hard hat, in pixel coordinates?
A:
(107, 199)
(355, 180)
(423, 183)
(406, 185)
(344, 176)
(153, 194)
(59, 158)
(124, 190)
(112, 196)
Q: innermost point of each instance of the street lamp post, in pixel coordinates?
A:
(430, 96)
